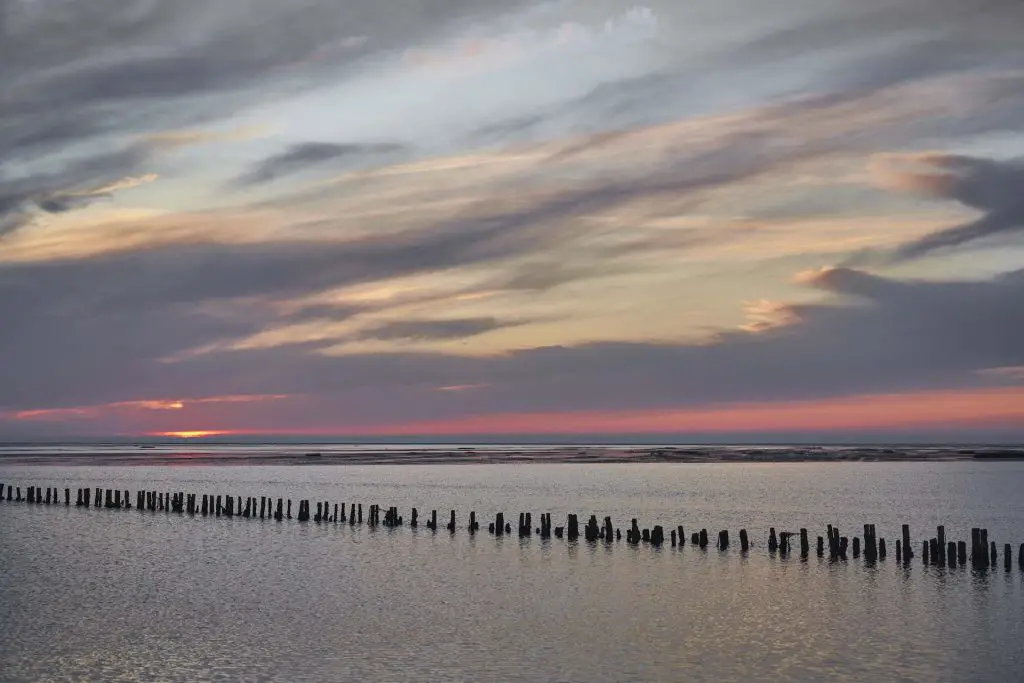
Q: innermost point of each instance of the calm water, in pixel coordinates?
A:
(127, 596)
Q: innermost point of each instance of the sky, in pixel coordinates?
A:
(454, 218)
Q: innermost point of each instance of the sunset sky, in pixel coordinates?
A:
(737, 218)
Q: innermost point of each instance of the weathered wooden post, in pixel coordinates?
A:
(633, 535)
(940, 537)
(658, 535)
(99, 496)
(856, 547)
(994, 560)
(899, 550)
(907, 551)
(1007, 557)
(1020, 557)
(573, 527)
(745, 540)
(432, 525)
(694, 539)
(279, 514)
(673, 538)
(925, 548)
(451, 522)
(723, 539)
(682, 535)
(881, 548)
(950, 554)
(473, 526)
(961, 552)
(499, 523)
(360, 520)
(773, 541)
(844, 543)
(821, 546)
(933, 550)
(609, 531)
(414, 522)
(645, 536)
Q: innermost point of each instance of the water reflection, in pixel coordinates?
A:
(229, 599)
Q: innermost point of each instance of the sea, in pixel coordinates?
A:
(129, 595)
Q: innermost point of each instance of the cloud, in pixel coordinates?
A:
(303, 156)
(986, 185)
(890, 336)
(458, 328)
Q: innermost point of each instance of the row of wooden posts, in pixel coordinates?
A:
(937, 551)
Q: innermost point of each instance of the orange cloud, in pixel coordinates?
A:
(95, 411)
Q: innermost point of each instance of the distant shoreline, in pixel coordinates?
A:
(344, 454)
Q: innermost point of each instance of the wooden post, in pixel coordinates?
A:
(907, 552)
(1007, 557)
(279, 515)
(658, 536)
(933, 550)
(451, 522)
(723, 539)
(856, 547)
(821, 546)
(433, 520)
(473, 526)
(414, 522)
(940, 536)
(925, 547)
(994, 559)
(745, 540)
(646, 536)
(499, 523)
(951, 554)
(360, 520)
(1020, 558)
(881, 548)
(673, 537)
(682, 535)
(805, 544)
(609, 531)
(773, 541)
(899, 550)
(961, 552)
(984, 548)
(99, 496)
(633, 535)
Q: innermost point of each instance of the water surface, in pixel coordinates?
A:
(128, 595)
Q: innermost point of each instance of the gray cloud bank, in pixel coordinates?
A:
(79, 83)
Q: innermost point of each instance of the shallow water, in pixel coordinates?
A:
(128, 595)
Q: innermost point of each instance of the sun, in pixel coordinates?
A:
(196, 434)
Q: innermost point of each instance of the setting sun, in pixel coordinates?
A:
(197, 434)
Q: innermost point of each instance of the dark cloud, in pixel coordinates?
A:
(892, 335)
(990, 186)
(76, 184)
(307, 155)
(435, 330)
